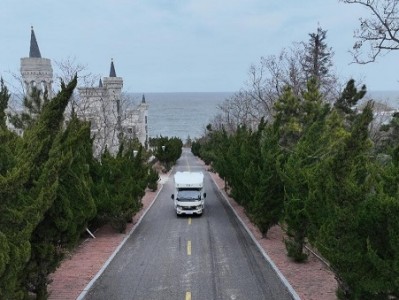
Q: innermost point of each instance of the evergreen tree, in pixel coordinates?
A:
(8, 140)
(377, 277)
(33, 105)
(295, 167)
(349, 98)
(5, 164)
(119, 185)
(266, 207)
(23, 202)
(4, 98)
(72, 207)
(341, 238)
(288, 119)
(317, 61)
(391, 142)
(238, 157)
(153, 178)
(168, 150)
(251, 153)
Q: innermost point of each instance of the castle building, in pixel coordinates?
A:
(110, 115)
(106, 107)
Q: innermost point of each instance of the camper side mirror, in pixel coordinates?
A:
(204, 195)
(173, 196)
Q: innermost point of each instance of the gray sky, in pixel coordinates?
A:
(182, 45)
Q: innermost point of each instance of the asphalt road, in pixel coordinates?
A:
(206, 257)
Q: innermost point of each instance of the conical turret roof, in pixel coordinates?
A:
(112, 72)
(34, 47)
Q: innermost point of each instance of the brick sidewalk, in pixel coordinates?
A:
(311, 280)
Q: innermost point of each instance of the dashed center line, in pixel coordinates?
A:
(188, 296)
(188, 247)
(189, 221)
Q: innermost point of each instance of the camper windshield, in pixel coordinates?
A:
(189, 195)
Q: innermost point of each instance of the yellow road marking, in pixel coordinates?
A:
(189, 221)
(188, 165)
(188, 296)
(188, 247)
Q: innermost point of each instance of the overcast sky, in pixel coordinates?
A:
(182, 45)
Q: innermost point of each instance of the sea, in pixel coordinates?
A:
(183, 115)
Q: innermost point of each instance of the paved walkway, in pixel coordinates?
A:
(311, 280)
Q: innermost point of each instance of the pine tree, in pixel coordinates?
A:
(317, 60)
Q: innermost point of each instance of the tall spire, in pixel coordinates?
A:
(112, 72)
(100, 84)
(143, 99)
(34, 48)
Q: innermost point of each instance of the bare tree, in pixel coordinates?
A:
(378, 33)
(268, 79)
(67, 68)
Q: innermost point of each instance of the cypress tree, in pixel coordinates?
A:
(5, 162)
(4, 98)
(23, 202)
(349, 98)
(33, 106)
(294, 170)
(8, 140)
(238, 157)
(341, 238)
(266, 207)
(119, 185)
(71, 209)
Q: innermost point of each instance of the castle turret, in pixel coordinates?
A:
(113, 84)
(35, 70)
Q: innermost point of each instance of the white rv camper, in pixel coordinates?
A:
(189, 193)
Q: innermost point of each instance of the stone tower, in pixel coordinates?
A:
(35, 70)
(113, 86)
